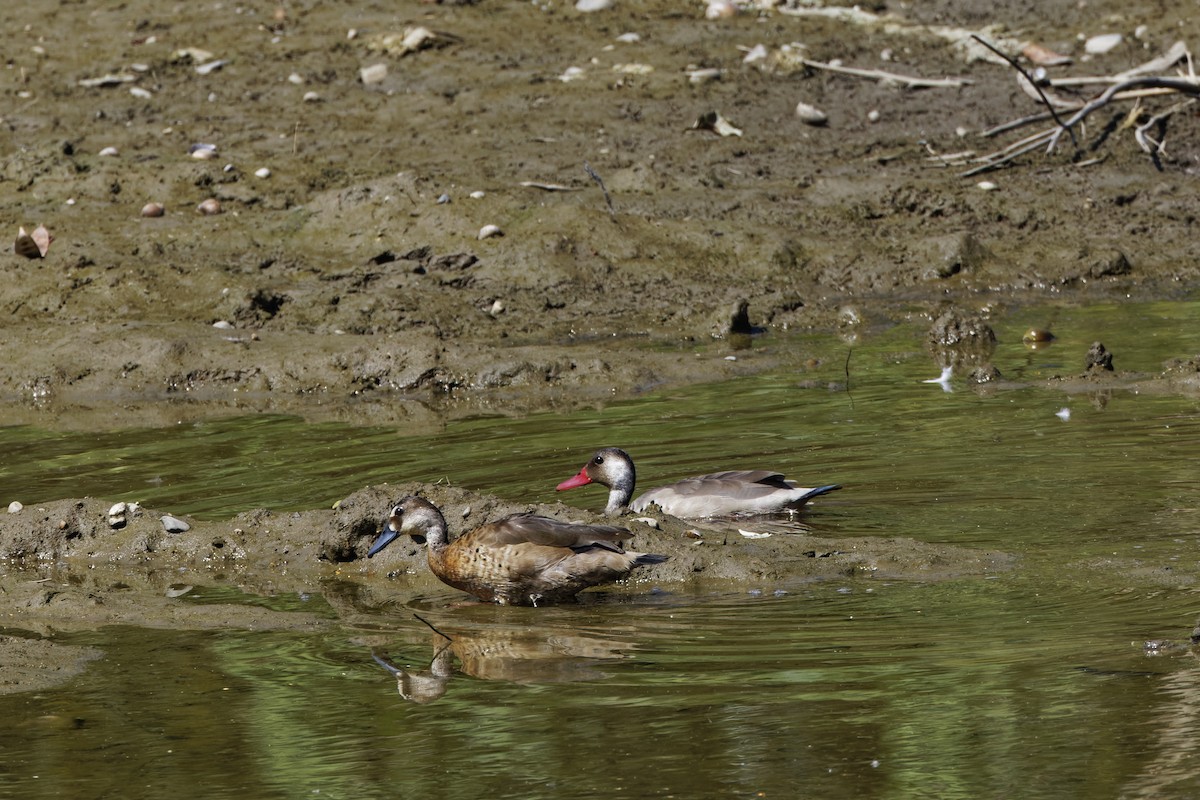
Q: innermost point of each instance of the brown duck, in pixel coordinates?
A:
(715, 495)
(524, 559)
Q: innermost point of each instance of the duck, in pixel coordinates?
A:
(521, 560)
(718, 494)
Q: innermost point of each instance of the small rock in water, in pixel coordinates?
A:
(1098, 358)
(174, 524)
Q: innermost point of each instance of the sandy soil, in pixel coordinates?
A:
(352, 282)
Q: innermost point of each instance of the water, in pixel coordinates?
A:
(1029, 683)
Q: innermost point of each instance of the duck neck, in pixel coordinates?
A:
(620, 493)
(433, 527)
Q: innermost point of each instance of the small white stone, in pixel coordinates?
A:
(488, 231)
(174, 524)
(497, 308)
(810, 115)
(987, 186)
(651, 521)
(873, 115)
(296, 78)
(588, 6)
(706, 75)
(262, 172)
(140, 93)
(373, 74)
(629, 38)
(15, 507)
(223, 324)
(571, 74)
(1104, 43)
(477, 195)
(118, 508)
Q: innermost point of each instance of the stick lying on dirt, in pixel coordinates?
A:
(888, 77)
(1133, 84)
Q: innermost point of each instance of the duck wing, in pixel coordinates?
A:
(546, 532)
(757, 491)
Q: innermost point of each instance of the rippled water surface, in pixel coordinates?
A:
(1030, 683)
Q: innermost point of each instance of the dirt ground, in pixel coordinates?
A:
(353, 282)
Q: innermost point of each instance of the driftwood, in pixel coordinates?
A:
(1134, 85)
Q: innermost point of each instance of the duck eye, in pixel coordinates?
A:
(598, 460)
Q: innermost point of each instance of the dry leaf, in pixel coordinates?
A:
(33, 245)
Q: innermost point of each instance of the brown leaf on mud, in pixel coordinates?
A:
(33, 245)
(1044, 56)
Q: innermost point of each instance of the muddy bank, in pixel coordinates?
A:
(264, 552)
(351, 281)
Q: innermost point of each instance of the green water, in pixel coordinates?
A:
(1031, 683)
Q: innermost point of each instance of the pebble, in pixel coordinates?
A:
(987, 186)
(312, 97)
(811, 115)
(706, 75)
(296, 78)
(116, 516)
(140, 93)
(477, 195)
(720, 9)
(209, 207)
(488, 231)
(15, 507)
(373, 74)
(109, 151)
(203, 151)
(497, 308)
(174, 524)
(1104, 43)
(443, 199)
(262, 172)
(588, 6)
(153, 210)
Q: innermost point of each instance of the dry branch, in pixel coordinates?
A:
(1134, 84)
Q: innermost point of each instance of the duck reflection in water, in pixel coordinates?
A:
(523, 657)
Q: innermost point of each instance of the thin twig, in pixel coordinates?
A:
(1045, 100)
(592, 173)
(431, 627)
(890, 77)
